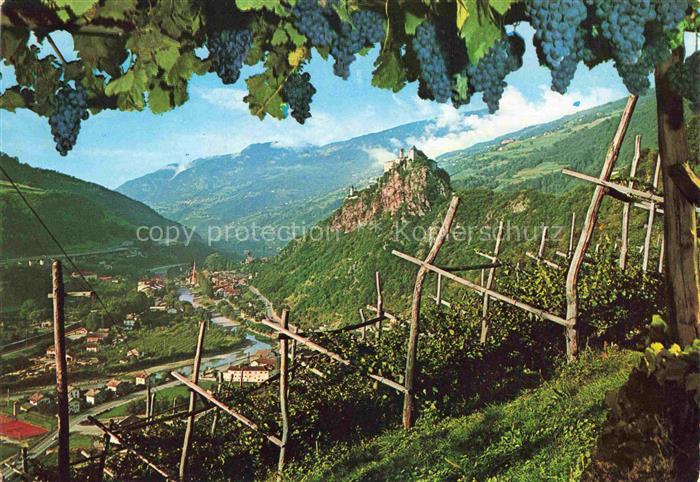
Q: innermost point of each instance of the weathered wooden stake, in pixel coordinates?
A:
(25, 460)
(438, 294)
(215, 418)
(364, 328)
(661, 255)
(489, 285)
(409, 402)
(572, 233)
(588, 228)
(148, 400)
(284, 390)
(59, 339)
(624, 245)
(174, 405)
(189, 431)
(543, 242)
(101, 462)
(650, 219)
(152, 406)
(380, 304)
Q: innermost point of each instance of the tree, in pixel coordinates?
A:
(134, 55)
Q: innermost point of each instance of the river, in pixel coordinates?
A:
(253, 344)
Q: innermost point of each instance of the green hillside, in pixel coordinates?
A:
(547, 433)
(82, 215)
(534, 157)
(325, 281)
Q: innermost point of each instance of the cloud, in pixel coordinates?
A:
(516, 112)
(229, 99)
(380, 155)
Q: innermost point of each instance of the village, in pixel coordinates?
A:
(121, 376)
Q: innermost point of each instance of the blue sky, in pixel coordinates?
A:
(114, 147)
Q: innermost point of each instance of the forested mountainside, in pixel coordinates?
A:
(83, 216)
(325, 281)
(534, 157)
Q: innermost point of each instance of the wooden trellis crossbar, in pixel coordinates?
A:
(549, 263)
(356, 326)
(316, 347)
(472, 267)
(221, 405)
(387, 315)
(493, 294)
(613, 186)
(165, 473)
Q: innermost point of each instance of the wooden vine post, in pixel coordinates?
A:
(489, 285)
(189, 430)
(650, 218)
(409, 401)
(59, 339)
(587, 230)
(624, 244)
(106, 440)
(380, 304)
(284, 390)
(680, 223)
(572, 233)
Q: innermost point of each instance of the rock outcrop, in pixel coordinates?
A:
(409, 187)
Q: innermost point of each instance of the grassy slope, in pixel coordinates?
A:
(545, 433)
(83, 215)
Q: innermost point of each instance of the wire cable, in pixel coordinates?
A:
(57, 242)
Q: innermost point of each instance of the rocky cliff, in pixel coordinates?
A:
(409, 187)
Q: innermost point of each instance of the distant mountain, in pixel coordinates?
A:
(82, 215)
(266, 184)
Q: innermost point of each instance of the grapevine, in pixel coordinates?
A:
(683, 77)
(564, 72)
(71, 108)
(367, 28)
(487, 76)
(312, 20)
(556, 23)
(671, 12)
(433, 65)
(298, 92)
(623, 25)
(228, 50)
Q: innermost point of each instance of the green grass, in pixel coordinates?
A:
(544, 434)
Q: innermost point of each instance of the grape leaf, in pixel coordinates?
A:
(78, 7)
(11, 99)
(389, 74)
(279, 37)
(159, 100)
(297, 38)
(479, 33)
(166, 58)
(271, 5)
(462, 14)
(502, 6)
(120, 84)
(116, 9)
(411, 23)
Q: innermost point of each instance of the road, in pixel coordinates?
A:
(269, 310)
(61, 256)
